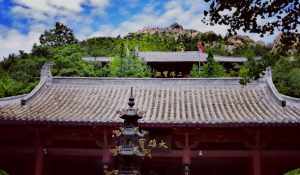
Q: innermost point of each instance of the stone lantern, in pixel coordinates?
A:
(131, 146)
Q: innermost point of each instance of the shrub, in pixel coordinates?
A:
(293, 172)
(2, 172)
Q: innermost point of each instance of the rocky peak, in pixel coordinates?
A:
(176, 26)
(239, 40)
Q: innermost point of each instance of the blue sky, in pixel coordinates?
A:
(22, 21)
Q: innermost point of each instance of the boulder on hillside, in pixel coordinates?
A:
(239, 41)
(287, 44)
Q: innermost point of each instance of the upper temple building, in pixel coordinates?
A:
(178, 62)
(210, 125)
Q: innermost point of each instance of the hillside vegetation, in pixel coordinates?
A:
(19, 73)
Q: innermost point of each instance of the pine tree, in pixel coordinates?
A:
(60, 35)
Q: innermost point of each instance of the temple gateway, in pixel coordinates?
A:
(211, 126)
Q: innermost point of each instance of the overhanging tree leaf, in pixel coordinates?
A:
(259, 16)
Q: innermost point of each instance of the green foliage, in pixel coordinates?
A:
(294, 82)
(293, 172)
(60, 35)
(68, 62)
(40, 51)
(128, 66)
(11, 87)
(19, 74)
(27, 70)
(254, 68)
(286, 76)
(244, 74)
(164, 41)
(196, 71)
(210, 69)
(101, 46)
(210, 37)
(2, 172)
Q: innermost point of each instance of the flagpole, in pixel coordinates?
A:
(200, 47)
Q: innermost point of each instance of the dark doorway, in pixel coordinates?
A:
(221, 166)
(73, 166)
(162, 166)
(17, 164)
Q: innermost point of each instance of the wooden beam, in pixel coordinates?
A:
(220, 153)
(284, 153)
(16, 151)
(75, 152)
(172, 153)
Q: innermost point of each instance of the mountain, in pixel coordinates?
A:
(175, 28)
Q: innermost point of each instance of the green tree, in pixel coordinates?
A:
(128, 65)
(293, 172)
(60, 35)
(68, 62)
(210, 69)
(244, 74)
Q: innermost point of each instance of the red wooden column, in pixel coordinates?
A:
(106, 156)
(39, 155)
(256, 162)
(186, 155)
(256, 155)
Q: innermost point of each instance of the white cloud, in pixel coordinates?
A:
(100, 3)
(51, 6)
(46, 12)
(188, 13)
(43, 10)
(12, 40)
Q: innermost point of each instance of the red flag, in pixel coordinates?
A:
(201, 50)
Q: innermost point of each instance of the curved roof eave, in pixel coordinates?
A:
(45, 76)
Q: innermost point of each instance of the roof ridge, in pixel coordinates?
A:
(272, 87)
(293, 101)
(145, 78)
(45, 76)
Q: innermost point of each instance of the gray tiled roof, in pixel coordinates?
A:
(187, 56)
(165, 101)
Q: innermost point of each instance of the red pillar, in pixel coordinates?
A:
(256, 156)
(186, 161)
(106, 155)
(39, 156)
(186, 157)
(256, 163)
